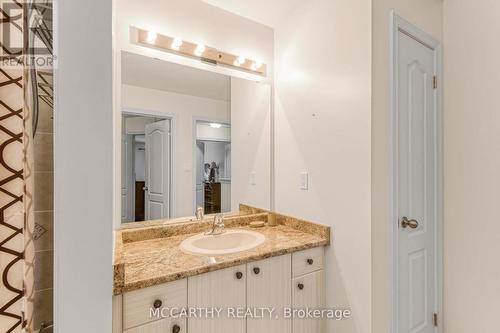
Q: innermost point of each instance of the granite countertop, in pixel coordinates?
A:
(149, 256)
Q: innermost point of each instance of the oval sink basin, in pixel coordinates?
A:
(231, 241)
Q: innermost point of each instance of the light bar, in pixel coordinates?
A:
(200, 51)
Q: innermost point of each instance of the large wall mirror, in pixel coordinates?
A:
(191, 138)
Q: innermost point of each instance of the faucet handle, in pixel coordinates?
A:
(219, 218)
(219, 223)
(199, 213)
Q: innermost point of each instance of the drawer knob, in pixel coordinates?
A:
(239, 275)
(157, 304)
(300, 286)
(310, 261)
(176, 329)
(256, 270)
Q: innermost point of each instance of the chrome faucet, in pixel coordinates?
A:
(217, 225)
(199, 213)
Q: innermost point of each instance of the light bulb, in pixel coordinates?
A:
(215, 125)
(236, 63)
(177, 43)
(151, 39)
(241, 60)
(258, 64)
(253, 67)
(199, 49)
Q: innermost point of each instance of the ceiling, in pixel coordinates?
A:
(267, 12)
(151, 73)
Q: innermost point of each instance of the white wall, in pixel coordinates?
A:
(426, 14)
(205, 132)
(322, 124)
(214, 152)
(471, 166)
(250, 144)
(136, 125)
(83, 121)
(140, 161)
(183, 108)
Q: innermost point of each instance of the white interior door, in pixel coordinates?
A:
(200, 170)
(127, 187)
(416, 185)
(157, 194)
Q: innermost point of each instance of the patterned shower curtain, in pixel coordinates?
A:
(16, 177)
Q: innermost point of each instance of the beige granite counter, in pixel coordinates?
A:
(149, 256)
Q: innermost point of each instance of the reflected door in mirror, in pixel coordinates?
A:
(157, 170)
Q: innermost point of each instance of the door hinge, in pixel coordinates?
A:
(435, 319)
(435, 82)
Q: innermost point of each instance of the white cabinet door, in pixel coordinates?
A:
(268, 286)
(308, 291)
(169, 325)
(219, 289)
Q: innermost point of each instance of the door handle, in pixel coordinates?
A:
(145, 188)
(405, 222)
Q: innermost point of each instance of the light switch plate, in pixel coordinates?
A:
(304, 181)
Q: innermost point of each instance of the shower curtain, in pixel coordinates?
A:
(16, 178)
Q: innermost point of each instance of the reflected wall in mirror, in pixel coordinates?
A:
(191, 138)
(213, 166)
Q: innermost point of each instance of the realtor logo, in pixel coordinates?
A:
(26, 34)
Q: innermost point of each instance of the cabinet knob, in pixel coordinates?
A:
(239, 275)
(310, 261)
(176, 329)
(256, 270)
(300, 286)
(157, 304)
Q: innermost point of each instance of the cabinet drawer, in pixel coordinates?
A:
(137, 303)
(307, 261)
(308, 292)
(168, 325)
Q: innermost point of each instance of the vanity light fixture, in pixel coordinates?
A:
(215, 125)
(177, 43)
(151, 38)
(241, 60)
(198, 50)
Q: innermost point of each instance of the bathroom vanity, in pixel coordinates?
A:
(193, 139)
(253, 290)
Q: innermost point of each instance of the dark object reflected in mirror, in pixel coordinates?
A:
(214, 153)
